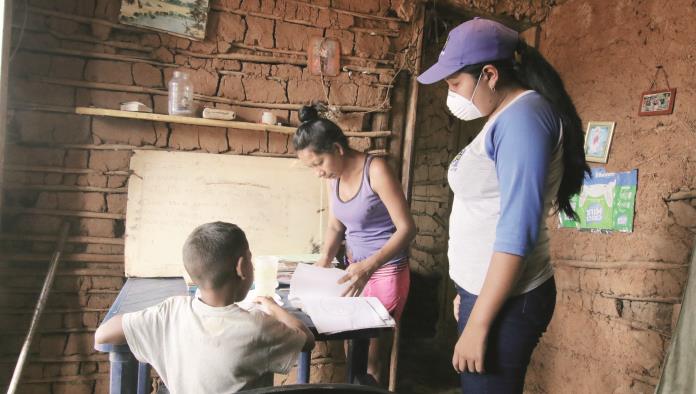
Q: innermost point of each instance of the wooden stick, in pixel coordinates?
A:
(98, 55)
(412, 106)
(375, 32)
(245, 57)
(398, 116)
(89, 39)
(210, 122)
(649, 380)
(78, 292)
(659, 300)
(304, 54)
(24, 106)
(63, 188)
(367, 70)
(22, 311)
(394, 359)
(83, 19)
(139, 89)
(62, 170)
(52, 238)
(352, 13)
(619, 265)
(66, 359)
(43, 298)
(77, 257)
(62, 212)
(681, 196)
(70, 378)
(65, 272)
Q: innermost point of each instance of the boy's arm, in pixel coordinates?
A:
(111, 332)
(289, 320)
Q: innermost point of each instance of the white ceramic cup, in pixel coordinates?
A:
(268, 118)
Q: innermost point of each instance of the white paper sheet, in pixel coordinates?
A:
(317, 292)
(311, 281)
(337, 314)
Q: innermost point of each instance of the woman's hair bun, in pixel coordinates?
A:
(308, 113)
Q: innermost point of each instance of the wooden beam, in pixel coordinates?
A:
(352, 13)
(61, 170)
(11, 272)
(62, 212)
(77, 257)
(659, 300)
(97, 55)
(63, 188)
(619, 265)
(687, 195)
(412, 106)
(53, 238)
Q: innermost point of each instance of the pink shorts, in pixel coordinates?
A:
(390, 285)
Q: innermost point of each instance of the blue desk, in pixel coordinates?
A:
(128, 376)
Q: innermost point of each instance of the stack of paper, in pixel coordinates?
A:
(317, 292)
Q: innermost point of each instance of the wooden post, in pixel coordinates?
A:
(398, 117)
(6, 29)
(410, 130)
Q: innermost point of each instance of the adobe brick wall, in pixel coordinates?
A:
(67, 165)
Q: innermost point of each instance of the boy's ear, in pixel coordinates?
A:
(240, 267)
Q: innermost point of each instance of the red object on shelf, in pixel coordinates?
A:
(324, 56)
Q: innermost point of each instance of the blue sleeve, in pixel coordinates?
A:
(521, 143)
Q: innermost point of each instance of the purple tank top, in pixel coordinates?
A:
(367, 221)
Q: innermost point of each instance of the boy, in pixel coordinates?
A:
(209, 344)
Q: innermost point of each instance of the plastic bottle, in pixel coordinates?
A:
(180, 94)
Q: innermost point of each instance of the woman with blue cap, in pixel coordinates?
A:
(527, 160)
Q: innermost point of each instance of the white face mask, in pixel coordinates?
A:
(462, 107)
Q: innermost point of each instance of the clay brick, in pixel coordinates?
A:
(163, 54)
(107, 99)
(73, 388)
(294, 37)
(286, 71)
(259, 32)
(264, 90)
(97, 227)
(151, 40)
(231, 87)
(67, 67)
(184, 137)
(47, 200)
(345, 37)
(90, 319)
(371, 46)
(370, 96)
(203, 46)
(41, 93)
(278, 143)
(305, 91)
(104, 249)
(109, 160)
(109, 71)
(196, 63)
(147, 75)
(44, 127)
(245, 141)
(53, 179)
(51, 345)
(123, 131)
(221, 64)
(683, 213)
(116, 181)
(256, 69)
(344, 21)
(104, 282)
(93, 202)
(28, 63)
(251, 5)
(342, 93)
(213, 139)
(231, 27)
(365, 7)
(324, 18)
(161, 134)
(181, 60)
(352, 121)
(161, 106)
(359, 144)
(35, 156)
(34, 388)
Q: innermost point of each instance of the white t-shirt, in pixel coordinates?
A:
(196, 348)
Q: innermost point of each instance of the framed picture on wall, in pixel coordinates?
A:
(657, 102)
(184, 18)
(598, 141)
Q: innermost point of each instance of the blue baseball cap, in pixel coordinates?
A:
(472, 42)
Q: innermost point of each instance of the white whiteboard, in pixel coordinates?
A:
(278, 203)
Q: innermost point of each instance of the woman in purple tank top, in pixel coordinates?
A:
(368, 208)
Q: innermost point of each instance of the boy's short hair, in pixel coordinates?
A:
(211, 252)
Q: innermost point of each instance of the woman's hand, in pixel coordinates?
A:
(323, 262)
(455, 305)
(357, 274)
(470, 349)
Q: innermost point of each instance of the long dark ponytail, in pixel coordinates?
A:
(532, 71)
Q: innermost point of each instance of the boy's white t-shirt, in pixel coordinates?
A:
(196, 348)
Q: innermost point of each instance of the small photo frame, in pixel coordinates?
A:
(657, 102)
(598, 141)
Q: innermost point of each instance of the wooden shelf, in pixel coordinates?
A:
(232, 124)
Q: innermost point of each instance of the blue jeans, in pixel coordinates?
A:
(513, 336)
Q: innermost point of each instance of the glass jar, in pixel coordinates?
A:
(180, 94)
